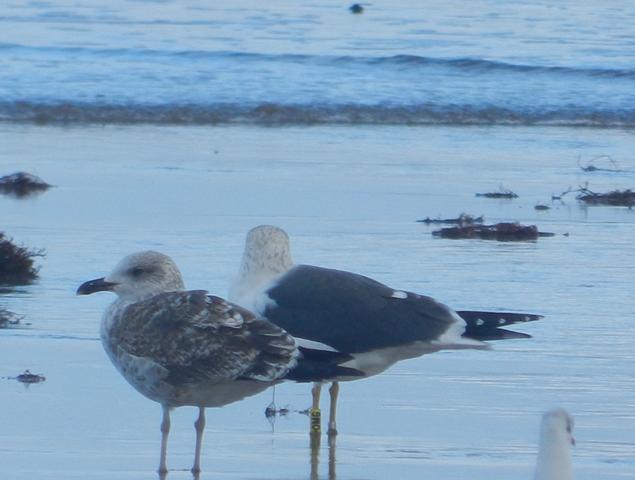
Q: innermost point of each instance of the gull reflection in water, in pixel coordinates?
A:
(315, 442)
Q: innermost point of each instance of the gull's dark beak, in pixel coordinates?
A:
(572, 440)
(97, 285)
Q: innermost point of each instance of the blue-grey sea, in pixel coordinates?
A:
(178, 125)
(289, 62)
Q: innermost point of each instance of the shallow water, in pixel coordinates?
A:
(281, 62)
(349, 198)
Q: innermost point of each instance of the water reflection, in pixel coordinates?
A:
(315, 443)
(315, 439)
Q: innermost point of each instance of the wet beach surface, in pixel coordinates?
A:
(349, 197)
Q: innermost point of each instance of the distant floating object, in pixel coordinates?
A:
(356, 8)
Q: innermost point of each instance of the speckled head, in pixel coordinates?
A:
(137, 276)
(267, 247)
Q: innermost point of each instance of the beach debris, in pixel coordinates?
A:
(463, 219)
(356, 8)
(16, 263)
(22, 184)
(502, 232)
(590, 166)
(28, 377)
(566, 192)
(272, 411)
(615, 198)
(542, 206)
(9, 319)
(502, 193)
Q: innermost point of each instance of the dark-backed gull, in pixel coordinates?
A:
(352, 314)
(554, 454)
(189, 348)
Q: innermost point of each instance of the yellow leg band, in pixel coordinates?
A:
(316, 420)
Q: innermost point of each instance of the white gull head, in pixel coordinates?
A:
(556, 438)
(267, 256)
(138, 276)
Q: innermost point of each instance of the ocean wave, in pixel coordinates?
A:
(271, 114)
(466, 64)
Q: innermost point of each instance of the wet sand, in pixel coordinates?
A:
(349, 198)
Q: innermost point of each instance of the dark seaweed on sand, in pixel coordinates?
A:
(463, 219)
(22, 184)
(614, 198)
(28, 377)
(7, 318)
(502, 193)
(617, 198)
(503, 232)
(16, 263)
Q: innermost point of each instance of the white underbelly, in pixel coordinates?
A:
(376, 361)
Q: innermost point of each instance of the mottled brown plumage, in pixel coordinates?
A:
(197, 337)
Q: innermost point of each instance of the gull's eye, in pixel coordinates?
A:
(136, 271)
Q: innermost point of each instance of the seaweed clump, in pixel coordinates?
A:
(28, 377)
(8, 319)
(503, 193)
(615, 198)
(22, 184)
(463, 219)
(16, 263)
(503, 232)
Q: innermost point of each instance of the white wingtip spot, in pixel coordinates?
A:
(501, 321)
(399, 294)
(480, 321)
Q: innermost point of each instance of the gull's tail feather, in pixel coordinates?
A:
(488, 325)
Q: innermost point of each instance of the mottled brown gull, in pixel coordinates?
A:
(189, 348)
(352, 314)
